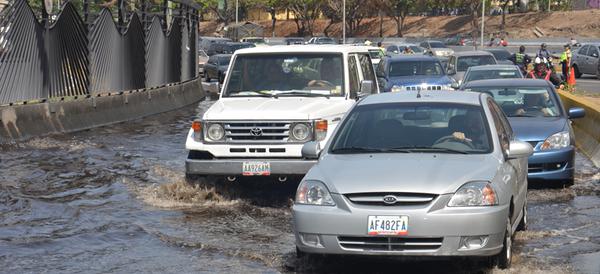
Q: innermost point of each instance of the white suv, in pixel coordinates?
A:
(273, 101)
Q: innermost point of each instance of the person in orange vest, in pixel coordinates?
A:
(541, 71)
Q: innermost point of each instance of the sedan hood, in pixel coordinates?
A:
(418, 80)
(283, 108)
(536, 128)
(410, 172)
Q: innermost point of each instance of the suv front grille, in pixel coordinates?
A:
(434, 87)
(248, 132)
(399, 198)
(390, 243)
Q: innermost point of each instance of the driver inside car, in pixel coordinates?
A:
(535, 104)
(329, 75)
(472, 131)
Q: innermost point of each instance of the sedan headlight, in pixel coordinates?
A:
(215, 132)
(311, 192)
(557, 141)
(300, 132)
(474, 194)
(396, 88)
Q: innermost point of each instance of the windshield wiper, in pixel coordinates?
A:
(430, 149)
(523, 115)
(367, 150)
(261, 93)
(306, 94)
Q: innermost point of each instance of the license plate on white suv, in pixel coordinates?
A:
(387, 225)
(256, 169)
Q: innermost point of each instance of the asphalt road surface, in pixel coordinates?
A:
(114, 200)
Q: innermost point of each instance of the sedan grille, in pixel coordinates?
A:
(390, 243)
(248, 132)
(413, 88)
(390, 199)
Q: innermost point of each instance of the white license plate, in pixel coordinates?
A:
(256, 169)
(387, 225)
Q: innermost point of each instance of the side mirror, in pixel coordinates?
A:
(451, 72)
(595, 54)
(519, 149)
(366, 88)
(575, 113)
(311, 150)
(455, 85)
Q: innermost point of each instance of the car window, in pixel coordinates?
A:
(286, 73)
(392, 49)
(224, 60)
(366, 67)
(501, 130)
(353, 67)
(473, 75)
(451, 63)
(437, 45)
(500, 54)
(427, 126)
(465, 62)
(593, 51)
(523, 101)
(411, 68)
(583, 50)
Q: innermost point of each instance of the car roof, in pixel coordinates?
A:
(221, 55)
(493, 67)
(507, 83)
(430, 41)
(300, 49)
(412, 57)
(593, 44)
(443, 96)
(471, 53)
(403, 44)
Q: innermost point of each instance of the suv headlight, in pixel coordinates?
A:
(557, 141)
(311, 192)
(474, 194)
(396, 88)
(300, 132)
(215, 132)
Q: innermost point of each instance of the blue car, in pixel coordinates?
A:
(536, 115)
(412, 72)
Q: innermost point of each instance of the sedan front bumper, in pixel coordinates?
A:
(554, 165)
(433, 230)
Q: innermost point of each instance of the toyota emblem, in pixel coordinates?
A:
(256, 132)
(390, 199)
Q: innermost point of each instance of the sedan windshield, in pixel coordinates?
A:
(492, 74)
(465, 62)
(437, 45)
(286, 74)
(523, 102)
(224, 61)
(412, 68)
(414, 128)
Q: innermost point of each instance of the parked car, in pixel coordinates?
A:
(231, 47)
(396, 49)
(538, 117)
(459, 62)
(208, 44)
(293, 41)
(321, 41)
(492, 72)
(257, 41)
(273, 101)
(439, 174)
(216, 67)
(202, 59)
(436, 48)
(412, 72)
(501, 55)
(585, 60)
(457, 40)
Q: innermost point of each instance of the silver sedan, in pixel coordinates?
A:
(429, 174)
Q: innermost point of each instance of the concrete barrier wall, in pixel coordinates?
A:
(18, 122)
(587, 129)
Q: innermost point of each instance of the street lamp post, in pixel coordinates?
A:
(344, 22)
(236, 11)
(482, 21)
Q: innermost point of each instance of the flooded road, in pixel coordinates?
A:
(114, 199)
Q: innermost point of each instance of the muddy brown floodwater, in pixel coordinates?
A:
(114, 199)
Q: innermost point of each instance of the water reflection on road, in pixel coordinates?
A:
(114, 199)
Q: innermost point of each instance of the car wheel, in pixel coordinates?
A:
(504, 258)
(523, 223)
(598, 71)
(568, 183)
(577, 72)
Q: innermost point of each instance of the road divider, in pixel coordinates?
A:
(587, 129)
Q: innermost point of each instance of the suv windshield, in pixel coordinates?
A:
(224, 60)
(414, 127)
(465, 62)
(286, 74)
(492, 74)
(523, 102)
(437, 45)
(375, 54)
(411, 68)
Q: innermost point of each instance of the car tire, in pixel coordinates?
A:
(504, 258)
(577, 72)
(598, 71)
(568, 183)
(523, 223)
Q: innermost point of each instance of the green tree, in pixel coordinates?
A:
(305, 14)
(397, 10)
